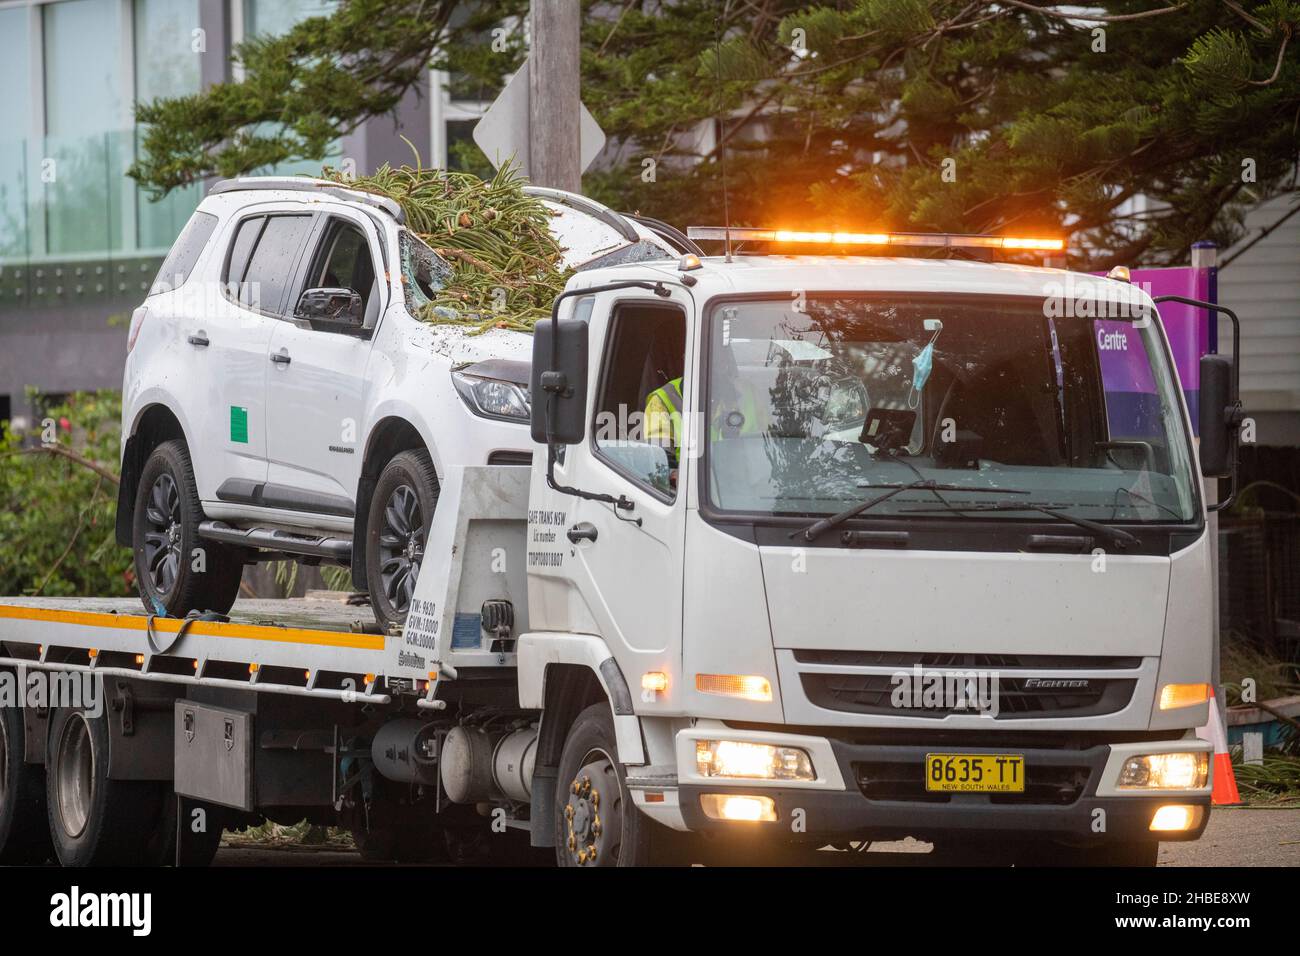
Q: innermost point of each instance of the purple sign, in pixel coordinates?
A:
(1130, 390)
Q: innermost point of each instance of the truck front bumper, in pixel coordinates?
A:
(877, 791)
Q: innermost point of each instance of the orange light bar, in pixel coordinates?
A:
(935, 239)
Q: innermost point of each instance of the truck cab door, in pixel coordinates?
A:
(603, 569)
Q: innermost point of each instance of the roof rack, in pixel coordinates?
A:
(929, 239)
(585, 205)
(668, 233)
(303, 183)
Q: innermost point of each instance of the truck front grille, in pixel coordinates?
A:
(1021, 695)
(904, 659)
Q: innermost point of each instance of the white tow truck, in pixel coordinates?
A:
(922, 551)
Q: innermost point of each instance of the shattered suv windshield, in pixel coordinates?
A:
(423, 273)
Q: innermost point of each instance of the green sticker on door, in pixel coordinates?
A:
(239, 424)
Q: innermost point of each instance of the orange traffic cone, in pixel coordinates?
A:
(1225, 782)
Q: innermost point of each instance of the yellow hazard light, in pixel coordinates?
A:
(656, 681)
(93, 653)
(689, 263)
(252, 668)
(744, 686)
(139, 660)
(1173, 696)
(1174, 818)
(1120, 274)
(370, 678)
(739, 807)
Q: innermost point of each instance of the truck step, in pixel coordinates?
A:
(276, 539)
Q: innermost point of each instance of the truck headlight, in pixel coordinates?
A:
(740, 758)
(1176, 771)
(492, 397)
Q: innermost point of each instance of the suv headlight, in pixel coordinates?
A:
(490, 397)
(1175, 771)
(740, 758)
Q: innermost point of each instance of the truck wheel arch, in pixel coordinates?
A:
(154, 425)
(567, 689)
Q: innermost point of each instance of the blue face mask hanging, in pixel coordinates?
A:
(922, 363)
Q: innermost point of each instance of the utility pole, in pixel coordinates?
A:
(554, 98)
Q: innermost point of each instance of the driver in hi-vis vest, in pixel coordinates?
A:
(742, 414)
(663, 417)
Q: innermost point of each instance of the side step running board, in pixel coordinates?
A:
(275, 539)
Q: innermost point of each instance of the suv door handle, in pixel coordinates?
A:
(199, 339)
(583, 531)
(280, 358)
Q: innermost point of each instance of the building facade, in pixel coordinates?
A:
(80, 243)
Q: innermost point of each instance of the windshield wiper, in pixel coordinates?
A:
(926, 484)
(1115, 536)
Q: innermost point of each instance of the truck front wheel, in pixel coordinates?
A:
(596, 823)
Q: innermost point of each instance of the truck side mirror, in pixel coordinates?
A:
(1218, 417)
(559, 381)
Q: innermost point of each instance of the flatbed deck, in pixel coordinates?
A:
(296, 646)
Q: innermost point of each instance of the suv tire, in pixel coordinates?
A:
(397, 532)
(165, 539)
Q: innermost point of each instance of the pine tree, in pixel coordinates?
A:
(956, 115)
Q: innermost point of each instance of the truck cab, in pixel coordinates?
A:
(925, 553)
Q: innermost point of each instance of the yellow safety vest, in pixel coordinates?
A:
(670, 397)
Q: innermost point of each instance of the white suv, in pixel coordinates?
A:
(280, 398)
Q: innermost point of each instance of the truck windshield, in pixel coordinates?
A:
(813, 402)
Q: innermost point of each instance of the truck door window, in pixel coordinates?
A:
(271, 264)
(342, 261)
(638, 424)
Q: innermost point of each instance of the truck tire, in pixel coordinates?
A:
(397, 532)
(95, 821)
(165, 536)
(24, 833)
(596, 823)
(200, 848)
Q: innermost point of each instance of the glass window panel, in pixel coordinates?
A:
(15, 122)
(166, 65)
(273, 260)
(185, 253)
(272, 18)
(88, 143)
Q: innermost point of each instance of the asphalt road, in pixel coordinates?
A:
(1234, 837)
